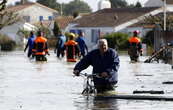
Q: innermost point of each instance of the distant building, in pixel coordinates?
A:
(34, 12)
(63, 22)
(157, 3)
(109, 20)
(104, 4)
(30, 13)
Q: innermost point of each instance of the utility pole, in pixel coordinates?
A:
(61, 12)
(164, 10)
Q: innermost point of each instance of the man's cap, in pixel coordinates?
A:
(72, 34)
(136, 32)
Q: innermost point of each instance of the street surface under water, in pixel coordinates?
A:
(29, 85)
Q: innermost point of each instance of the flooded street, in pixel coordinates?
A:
(30, 85)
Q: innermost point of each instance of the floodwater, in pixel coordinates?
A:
(30, 85)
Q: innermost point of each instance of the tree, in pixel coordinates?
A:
(138, 5)
(2, 5)
(23, 32)
(56, 29)
(46, 31)
(76, 6)
(118, 3)
(50, 3)
(7, 17)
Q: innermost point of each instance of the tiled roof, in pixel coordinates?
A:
(63, 21)
(26, 5)
(145, 25)
(19, 7)
(112, 17)
(169, 1)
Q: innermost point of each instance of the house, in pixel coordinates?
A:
(118, 20)
(30, 13)
(112, 20)
(12, 31)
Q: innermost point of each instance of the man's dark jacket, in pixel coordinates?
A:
(108, 62)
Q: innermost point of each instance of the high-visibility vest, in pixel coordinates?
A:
(71, 50)
(134, 40)
(40, 46)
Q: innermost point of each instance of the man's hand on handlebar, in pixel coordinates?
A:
(48, 53)
(104, 74)
(76, 72)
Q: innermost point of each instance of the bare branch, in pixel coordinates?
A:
(3, 5)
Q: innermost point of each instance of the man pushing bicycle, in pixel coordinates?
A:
(105, 62)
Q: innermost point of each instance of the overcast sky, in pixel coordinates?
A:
(92, 3)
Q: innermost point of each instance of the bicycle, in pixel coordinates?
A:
(89, 84)
(89, 88)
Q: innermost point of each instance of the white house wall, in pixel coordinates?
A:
(170, 8)
(11, 31)
(130, 30)
(88, 33)
(35, 12)
(87, 36)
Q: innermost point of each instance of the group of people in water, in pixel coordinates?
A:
(104, 60)
(70, 46)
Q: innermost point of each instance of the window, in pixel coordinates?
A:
(95, 33)
(41, 18)
(73, 31)
(77, 31)
(50, 18)
(26, 18)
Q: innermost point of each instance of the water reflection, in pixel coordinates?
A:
(105, 104)
(93, 103)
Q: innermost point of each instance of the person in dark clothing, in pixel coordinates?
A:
(30, 44)
(134, 47)
(105, 63)
(59, 49)
(83, 47)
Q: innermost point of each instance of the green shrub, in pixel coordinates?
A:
(7, 43)
(23, 32)
(45, 30)
(117, 40)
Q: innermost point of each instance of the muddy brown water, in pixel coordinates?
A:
(29, 85)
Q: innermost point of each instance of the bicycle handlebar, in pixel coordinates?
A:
(90, 75)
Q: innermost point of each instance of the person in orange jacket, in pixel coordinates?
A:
(72, 49)
(134, 47)
(40, 48)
